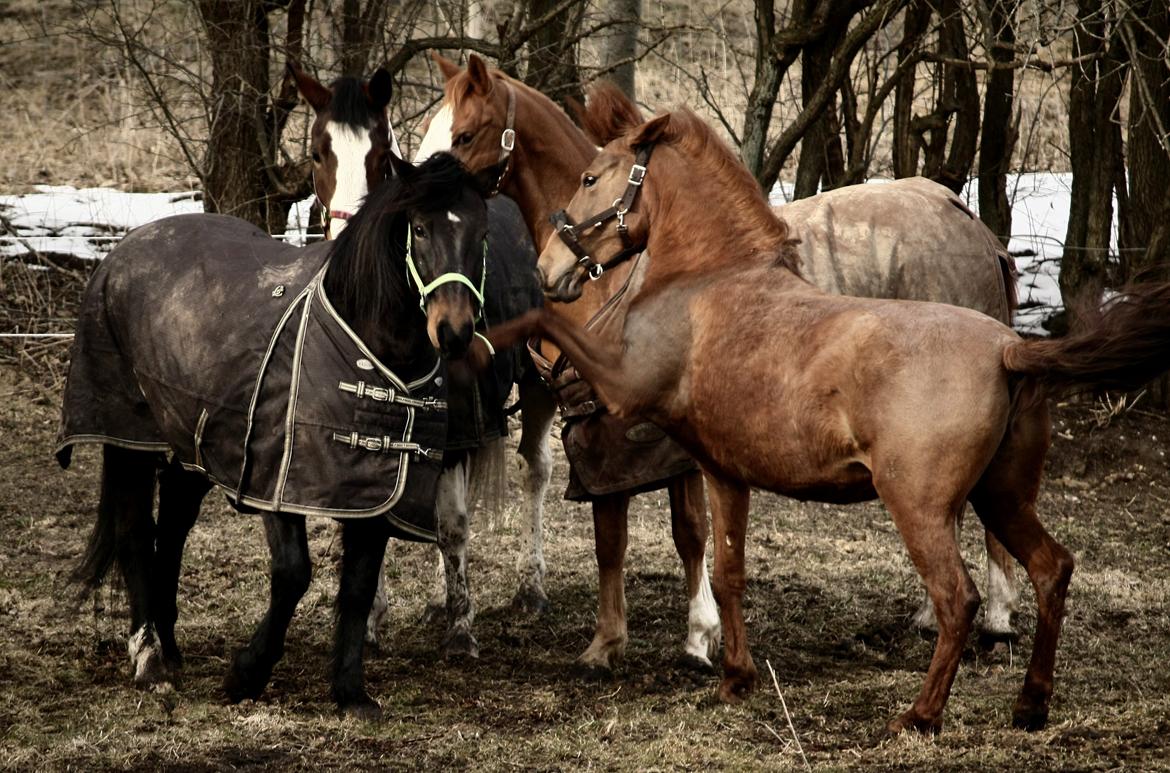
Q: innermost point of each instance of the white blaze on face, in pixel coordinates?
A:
(351, 146)
(438, 137)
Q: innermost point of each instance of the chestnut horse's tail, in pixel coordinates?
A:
(1126, 346)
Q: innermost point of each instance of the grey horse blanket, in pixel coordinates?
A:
(911, 239)
(202, 336)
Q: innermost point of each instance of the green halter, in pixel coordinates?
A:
(426, 289)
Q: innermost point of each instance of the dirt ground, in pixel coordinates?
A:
(828, 602)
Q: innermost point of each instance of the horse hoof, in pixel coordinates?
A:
(530, 601)
(691, 662)
(364, 708)
(433, 613)
(993, 640)
(911, 721)
(241, 683)
(592, 672)
(152, 672)
(1029, 716)
(458, 645)
(733, 691)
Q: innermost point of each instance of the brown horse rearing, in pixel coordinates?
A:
(924, 405)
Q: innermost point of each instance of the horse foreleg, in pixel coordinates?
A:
(454, 531)
(688, 520)
(291, 573)
(537, 411)
(127, 502)
(363, 544)
(180, 494)
(379, 609)
(610, 536)
(729, 510)
(1002, 594)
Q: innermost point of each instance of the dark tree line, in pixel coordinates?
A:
(932, 87)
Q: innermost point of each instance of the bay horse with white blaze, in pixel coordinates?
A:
(350, 136)
(853, 253)
(175, 354)
(924, 405)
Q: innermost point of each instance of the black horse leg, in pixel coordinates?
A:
(180, 493)
(289, 547)
(363, 545)
(127, 501)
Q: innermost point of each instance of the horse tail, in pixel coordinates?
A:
(1123, 347)
(1009, 272)
(126, 475)
(487, 480)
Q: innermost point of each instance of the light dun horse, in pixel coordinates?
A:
(350, 136)
(924, 405)
(865, 240)
(173, 354)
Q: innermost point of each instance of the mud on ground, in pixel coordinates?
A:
(828, 602)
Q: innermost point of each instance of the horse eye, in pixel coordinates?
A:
(316, 157)
(588, 181)
(419, 231)
(463, 139)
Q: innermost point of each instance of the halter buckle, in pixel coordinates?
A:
(637, 174)
(595, 272)
(508, 140)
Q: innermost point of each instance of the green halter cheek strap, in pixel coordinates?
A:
(426, 289)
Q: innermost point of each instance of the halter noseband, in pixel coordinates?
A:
(425, 289)
(569, 231)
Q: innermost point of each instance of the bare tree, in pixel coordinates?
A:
(621, 47)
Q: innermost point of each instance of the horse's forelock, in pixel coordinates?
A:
(609, 114)
(350, 105)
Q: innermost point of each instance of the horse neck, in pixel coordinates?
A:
(692, 235)
(398, 338)
(551, 153)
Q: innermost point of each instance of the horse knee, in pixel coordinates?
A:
(293, 576)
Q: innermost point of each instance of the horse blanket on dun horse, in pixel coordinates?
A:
(202, 336)
(911, 239)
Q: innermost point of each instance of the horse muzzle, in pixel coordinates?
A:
(565, 288)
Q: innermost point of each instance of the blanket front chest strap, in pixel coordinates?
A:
(388, 395)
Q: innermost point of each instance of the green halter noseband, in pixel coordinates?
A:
(426, 289)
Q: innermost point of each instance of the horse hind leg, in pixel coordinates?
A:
(538, 410)
(363, 548)
(454, 532)
(929, 534)
(124, 533)
(291, 573)
(1004, 500)
(180, 494)
(689, 529)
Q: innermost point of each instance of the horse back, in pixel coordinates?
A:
(910, 239)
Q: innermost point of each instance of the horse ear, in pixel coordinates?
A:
(649, 132)
(446, 66)
(379, 89)
(481, 79)
(315, 94)
(402, 169)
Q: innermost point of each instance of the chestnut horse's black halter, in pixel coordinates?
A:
(569, 231)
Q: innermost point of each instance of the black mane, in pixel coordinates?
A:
(366, 279)
(350, 105)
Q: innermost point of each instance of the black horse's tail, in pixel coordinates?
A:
(1125, 347)
(127, 478)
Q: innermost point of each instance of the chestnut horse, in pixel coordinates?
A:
(924, 405)
(350, 137)
(543, 171)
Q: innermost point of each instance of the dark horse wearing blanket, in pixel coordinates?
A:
(299, 381)
(771, 382)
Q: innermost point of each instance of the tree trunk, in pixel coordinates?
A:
(622, 46)
(905, 146)
(359, 33)
(552, 52)
(816, 147)
(999, 131)
(769, 72)
(1095, 150)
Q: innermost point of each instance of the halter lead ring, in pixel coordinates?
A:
(569, 231)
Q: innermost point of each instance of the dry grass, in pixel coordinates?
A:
(828, 600)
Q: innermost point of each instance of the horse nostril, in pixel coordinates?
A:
(451, 343)
(540, 277)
